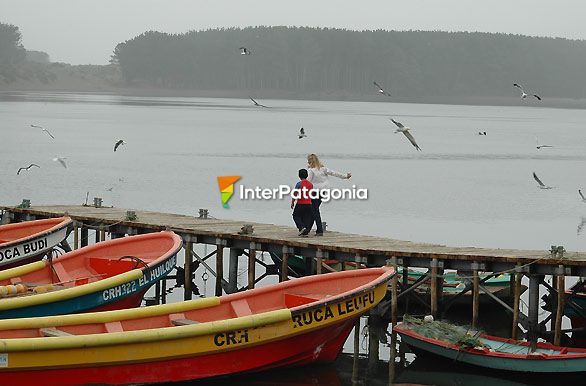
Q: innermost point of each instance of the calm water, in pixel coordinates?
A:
(462, 189)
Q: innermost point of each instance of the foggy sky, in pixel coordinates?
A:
(86, 31)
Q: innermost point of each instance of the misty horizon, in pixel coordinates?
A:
(83, 32)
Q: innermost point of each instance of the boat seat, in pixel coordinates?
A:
(15, 280)
(62, 274)
(241, 308)
(293, 300)
(53, 332)
(114, 326)
(112, 267)
(181, 320)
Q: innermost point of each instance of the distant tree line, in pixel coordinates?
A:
(18, 63)
(12, 53)
(322, 60)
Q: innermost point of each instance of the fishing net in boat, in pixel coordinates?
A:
(459, 335)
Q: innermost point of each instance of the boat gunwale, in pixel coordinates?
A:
(65, 222)
(186, 331)
(99, 285)
(571, 353)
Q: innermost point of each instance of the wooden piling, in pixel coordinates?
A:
(475, 298)
(533, 330)
(356, 351)
(102, 234)
(75, 235)
(561, 291)
(285, 264)
(187, 290)
(219, 266)
(434, 287)
(251, 265)
(84, 236)
(318, 261)
(394, 319)
(516, 303)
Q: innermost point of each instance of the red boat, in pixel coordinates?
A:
(24, 242)
(109, 275)
(296, 322)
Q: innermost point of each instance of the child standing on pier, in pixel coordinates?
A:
(302, 210)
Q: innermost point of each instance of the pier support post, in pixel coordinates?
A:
(252, 265)
(220, 244)
(188, 248)
(319, 254)
(102, 234)
(533, 333)
(394, 295)
(434, 287)
(75, 235)
(84, 236)
(561, 289)
(233, 269)
(285, 263)
(475, 297)
(516, 302)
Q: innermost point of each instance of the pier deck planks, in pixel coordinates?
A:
(278, 234)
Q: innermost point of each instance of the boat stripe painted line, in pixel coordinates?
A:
(144, 336)
(108, 316)
(69, 293)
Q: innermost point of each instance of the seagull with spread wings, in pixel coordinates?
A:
(541, 184)
(244, 51)
(539, 146)
(119, 143)
(256, 103)
(302, 133)
(45, 130)
(523, 93)
(61, 160)
(381, 90)
(27, 168)
(405, 131)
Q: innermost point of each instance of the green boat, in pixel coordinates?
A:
(478, 349)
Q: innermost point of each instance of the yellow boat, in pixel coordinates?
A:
(295, 322)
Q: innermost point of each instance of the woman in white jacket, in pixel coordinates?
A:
(319, 177)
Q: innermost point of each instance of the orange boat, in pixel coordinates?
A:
(109, 275)
(296, 322)
(23, 242)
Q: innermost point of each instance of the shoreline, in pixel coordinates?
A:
(341, 96)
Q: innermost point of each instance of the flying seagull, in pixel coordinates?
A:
(380, 89)
(581, 195)
(523, 93)
(27, 168)
(302, 133)
(244, 51)
(118, 144)
(541, 184)
(256, 103)
(482, 133)
(45, 130)
(405, 131)
(540, 146)
(61, 160)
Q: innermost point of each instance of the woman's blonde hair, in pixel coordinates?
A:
(314, 162)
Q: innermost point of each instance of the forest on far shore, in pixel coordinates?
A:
(320, 61)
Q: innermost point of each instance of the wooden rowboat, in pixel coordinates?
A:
(498, 353)
(295, 322)
(24, 242)
(109, 275)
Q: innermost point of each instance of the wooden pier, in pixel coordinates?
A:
(249, 238)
